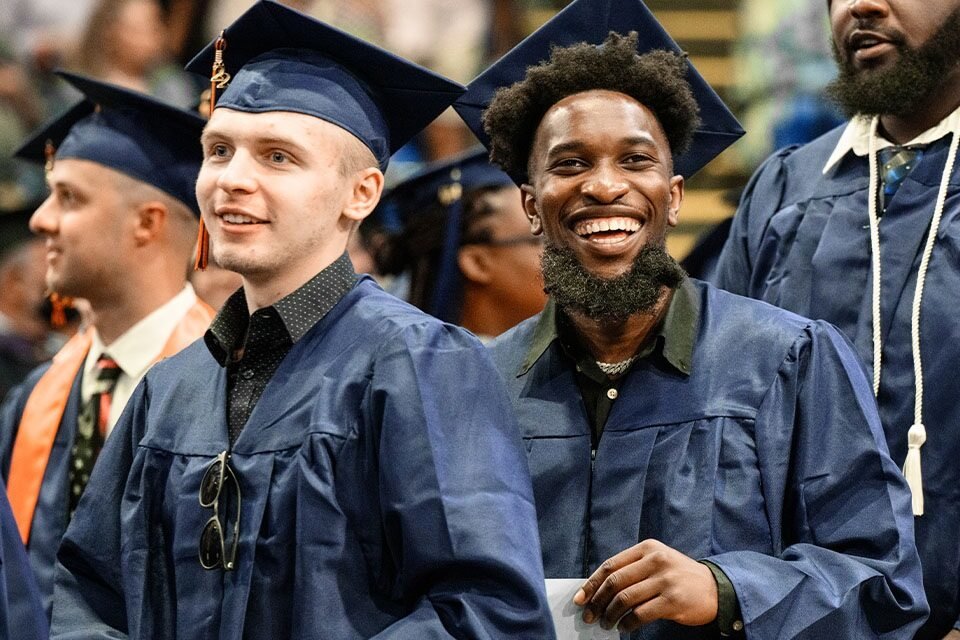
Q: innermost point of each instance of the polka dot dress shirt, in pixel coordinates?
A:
(251, 346)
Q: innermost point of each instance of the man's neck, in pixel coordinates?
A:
(116, 316)
(615, 341)
(903, 129)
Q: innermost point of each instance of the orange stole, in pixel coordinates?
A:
(44, 409)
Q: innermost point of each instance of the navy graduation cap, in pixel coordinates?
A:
(130, 132)
(591, 21)
(442, 184)
(283, 60)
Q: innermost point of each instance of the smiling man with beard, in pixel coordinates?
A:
(710, 464)
(861, 227)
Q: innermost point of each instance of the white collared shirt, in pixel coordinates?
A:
(135, 350)
(856, 138)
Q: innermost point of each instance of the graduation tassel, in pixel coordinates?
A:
(916, 436)
(203, 248)
(58, 313)
(219, 78)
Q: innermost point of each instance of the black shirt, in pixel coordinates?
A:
(251, 346)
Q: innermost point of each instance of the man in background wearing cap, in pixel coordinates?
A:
(331, 462)
(120, 226)
(713, 464)
(464, 243)
(861, 228)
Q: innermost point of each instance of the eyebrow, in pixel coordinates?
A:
(575, 145)
(209, 135)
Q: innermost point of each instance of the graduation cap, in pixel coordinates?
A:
(130, 132)
(591, 21)
(277, 59)
(441, 186)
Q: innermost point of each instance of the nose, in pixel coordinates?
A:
(605, 184)
(867, 9)
(45, 220)
(238, 174)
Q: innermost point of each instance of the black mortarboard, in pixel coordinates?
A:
(591, 21)
(283, 60)
(135, 134)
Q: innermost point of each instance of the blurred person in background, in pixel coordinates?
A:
(125, 43)
(23, 328)
(465, 244)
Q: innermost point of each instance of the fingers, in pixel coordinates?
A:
(653, 609)
(628, 600)
(612, 564)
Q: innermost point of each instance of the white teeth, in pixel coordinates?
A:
(597, 225)
(236, 218)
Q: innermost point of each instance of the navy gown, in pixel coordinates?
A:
(767, 459)
(384, 489)
(800, 241)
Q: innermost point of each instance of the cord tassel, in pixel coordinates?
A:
(916, 436)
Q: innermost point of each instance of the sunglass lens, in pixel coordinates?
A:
(211, 544)
(210, 485)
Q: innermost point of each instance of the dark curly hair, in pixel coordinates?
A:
(655, 79)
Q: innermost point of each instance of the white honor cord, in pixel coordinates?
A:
(917, 434)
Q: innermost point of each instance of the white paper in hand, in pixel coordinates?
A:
(566, 615)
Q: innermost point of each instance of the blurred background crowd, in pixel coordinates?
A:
(769, 59)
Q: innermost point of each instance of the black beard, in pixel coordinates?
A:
(609, 299)
(898, 90)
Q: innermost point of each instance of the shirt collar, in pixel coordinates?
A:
(140, 345)
(677, 332)
(299, 311)
(856, 138)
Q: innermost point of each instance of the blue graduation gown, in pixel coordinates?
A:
(800, 241)
(53, 507)
(768, 460)
(385, 494)
(21, 611)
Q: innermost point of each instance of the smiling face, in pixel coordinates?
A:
(602, 181)
(274, 196)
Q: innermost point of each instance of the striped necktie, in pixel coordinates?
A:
(896, 163)
(92, 427)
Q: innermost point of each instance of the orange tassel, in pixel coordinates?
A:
(203, 248)
(58, 315)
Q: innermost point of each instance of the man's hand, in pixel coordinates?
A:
(953, 635)
(647, 582)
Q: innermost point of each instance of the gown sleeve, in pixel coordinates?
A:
(455, 493)
(847, 564)
(21, 609)
(762, 197)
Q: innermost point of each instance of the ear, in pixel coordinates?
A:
(149, 221)
(676, 199)
(364, 194)
(529, 198)
(475, 263)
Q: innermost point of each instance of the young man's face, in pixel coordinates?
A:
(602, 180)
(86, 223)
(271, 193)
